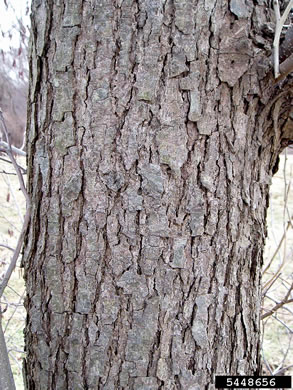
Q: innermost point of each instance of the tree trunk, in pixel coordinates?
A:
(153, 131)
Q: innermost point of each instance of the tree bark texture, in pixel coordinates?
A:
(153, 131)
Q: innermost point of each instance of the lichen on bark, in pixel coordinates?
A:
(151, 144)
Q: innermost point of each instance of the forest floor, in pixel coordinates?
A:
(278, 329)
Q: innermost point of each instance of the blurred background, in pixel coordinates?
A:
(14, 38)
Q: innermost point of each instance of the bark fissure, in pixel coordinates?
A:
(151, 145)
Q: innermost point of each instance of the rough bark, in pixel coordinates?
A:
(153, 131)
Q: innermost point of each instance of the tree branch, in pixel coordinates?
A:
(5, 147)
(27, 214)
(286, 67)
(6, 376)
(285, 301)
(280, 21)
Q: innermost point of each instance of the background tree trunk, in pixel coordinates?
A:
(153, 130)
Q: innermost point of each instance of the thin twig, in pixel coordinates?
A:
(15, 360)
(11, 156)
(15, 255)
(280, 21)
(267, 364)
(14, 311)
(284, 301)
(8, 173)
(285, 355)
(16, 203)
(4, 159)
(282, 322)
(20, 241)
(7, 247)
(9, 162)
(15, 292)
(4, 146)
(269, 284)
(278, 247)
(283, 370)
(277, 38)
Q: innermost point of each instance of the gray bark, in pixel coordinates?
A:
(6, 377)
(153, 130)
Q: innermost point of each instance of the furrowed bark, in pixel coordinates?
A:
(153, 133)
